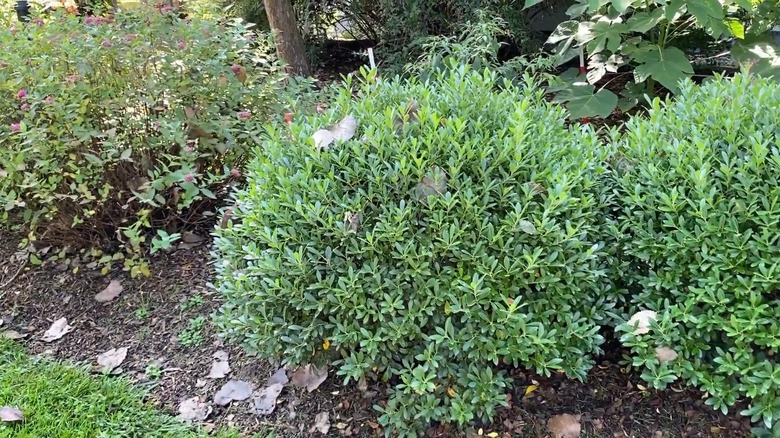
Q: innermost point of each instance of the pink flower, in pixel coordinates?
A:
(235, 172)
(49, 100)
(72, 79)
(16, 127)
(244, 115)
(189, 178)
(235, 68)
(166, 9)
(22, 94)
(25, 106)
(106, 43)
(38, 21)
(129, 37)
(3, 64)
(14, 30)
(90, 20)
(181, 45)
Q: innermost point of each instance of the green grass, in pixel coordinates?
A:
(64, 400)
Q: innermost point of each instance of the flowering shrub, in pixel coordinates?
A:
(700, 206)
(113, 126)
(450, 235)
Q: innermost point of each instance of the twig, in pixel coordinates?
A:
(13, 277)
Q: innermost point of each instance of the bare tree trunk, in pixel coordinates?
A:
(289, 43)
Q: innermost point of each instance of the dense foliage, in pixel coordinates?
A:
(460, 229)
(700, 195)
(644, 39)
(113, 126)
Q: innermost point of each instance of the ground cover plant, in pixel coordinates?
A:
(459, 229)
(699, 196)
(123, 129)
(52, 398)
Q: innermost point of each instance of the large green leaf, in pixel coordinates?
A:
(759, 55)
(621, 5)
(643, 21)
(602, 34)
(667, 66)
(530, 3)
(581, 101)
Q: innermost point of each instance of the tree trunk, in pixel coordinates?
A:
(289, 43)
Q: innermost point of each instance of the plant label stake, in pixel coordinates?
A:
(583, 71)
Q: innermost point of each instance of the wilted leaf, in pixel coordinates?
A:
(233, 390)
(527, 227)
(564, 426)
(278, 378)
(193, 409)
(111, 291)
(220, 367)
(642, 321)
(111, 359)
(352, 222)
(321, 423)
(362, 384)
(433, 183)
(665, 354)
(309, 377)
(10, 415)
(13, 335)
(57, 330)
(265, 399)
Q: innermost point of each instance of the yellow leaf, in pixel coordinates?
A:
(104, 271)
(641, 388)
(447, 309)
(530, 389)
(479, 432)
(492, 434)
(326, 345)
(451, 392)
(144, 268)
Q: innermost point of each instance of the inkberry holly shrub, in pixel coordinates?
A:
(700, 195)
(458, 232)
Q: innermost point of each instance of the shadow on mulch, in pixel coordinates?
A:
(151, 314)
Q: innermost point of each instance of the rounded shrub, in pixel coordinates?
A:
(699, 186)
(114, 126)
(458, 232)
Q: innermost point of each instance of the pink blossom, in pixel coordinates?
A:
(181, 45)
(244, 115)
(106, 43)
(38, 21)
(49, 100)
(189, 178)
(16, 127)
(72, 79)
(90, 20)
(235, 172)
(22, 94)
(13, 30)
(129, 37)
(25, 106)
(235, 68)
(3, 64)
(166, 9)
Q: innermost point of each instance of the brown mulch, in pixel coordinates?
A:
(151, 312)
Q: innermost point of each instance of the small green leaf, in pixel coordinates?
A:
(736, 28)
(527, 227)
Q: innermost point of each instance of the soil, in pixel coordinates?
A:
(151, 313)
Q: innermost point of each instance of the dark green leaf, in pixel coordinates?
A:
(759, 55)
(531, 3)
(621, 5)
(667, 66)
(642, 21)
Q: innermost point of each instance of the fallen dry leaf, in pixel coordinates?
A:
(352, 222)
(194, 409)
(233, 390)
(665, 354)
(111, 359)
(278, 378)
(642, 320)
(321, 423)
(264, 400)
(362, 384)
(220, 367)
(10, 414)
(111, 291)
(564, 426)
(309, 377)
(190, 240)
(433, 183)
(341, 131)
(13, 335)
(57, 330)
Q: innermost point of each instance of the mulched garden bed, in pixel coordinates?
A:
(150, 315)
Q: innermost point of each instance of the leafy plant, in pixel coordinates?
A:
(461, 228)
(192, 335)
(698, 186)
(115, 127)
(642, 35)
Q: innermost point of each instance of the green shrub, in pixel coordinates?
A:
(426, 253)
(112, 127)
(700, 206)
